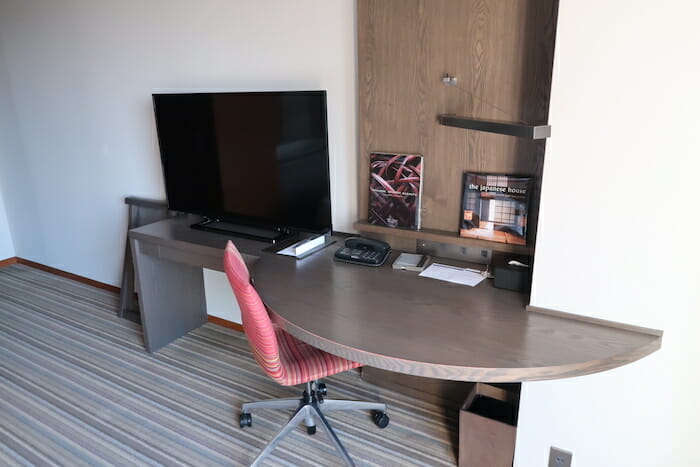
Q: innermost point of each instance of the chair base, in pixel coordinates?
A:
(308, 409)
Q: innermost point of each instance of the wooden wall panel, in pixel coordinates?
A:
(501, 53)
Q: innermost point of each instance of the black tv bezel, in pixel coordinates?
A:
(252, 221)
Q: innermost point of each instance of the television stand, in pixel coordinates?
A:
(241, 230)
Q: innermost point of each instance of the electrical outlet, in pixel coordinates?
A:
(460, 253)
(559, 458)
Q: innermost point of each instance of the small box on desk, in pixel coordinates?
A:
(512, 272)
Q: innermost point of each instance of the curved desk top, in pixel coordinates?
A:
(400, 322)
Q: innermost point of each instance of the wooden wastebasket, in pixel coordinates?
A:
(487, 426)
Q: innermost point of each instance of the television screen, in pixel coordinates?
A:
(256, 158)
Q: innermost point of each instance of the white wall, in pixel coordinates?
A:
(7, 248)
(81, 73)
(618, 223)
(219, 296)
(8, 152)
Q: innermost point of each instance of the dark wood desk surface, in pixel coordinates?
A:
(398, 321)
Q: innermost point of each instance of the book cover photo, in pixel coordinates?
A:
(494, 207)
(395, 190)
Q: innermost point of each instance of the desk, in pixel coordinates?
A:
(380, 317)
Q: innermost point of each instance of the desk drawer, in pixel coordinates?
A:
(196, 259)
(184, 257)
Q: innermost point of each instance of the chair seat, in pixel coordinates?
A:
(303, 362)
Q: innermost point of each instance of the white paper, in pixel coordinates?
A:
(452, 274)
(289, 251)
(309, 244)
(303, 246)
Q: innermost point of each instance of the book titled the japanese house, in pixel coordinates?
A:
(395, 187)
(494, 207)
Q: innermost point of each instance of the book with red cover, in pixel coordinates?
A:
(494, 207)
(395, 190)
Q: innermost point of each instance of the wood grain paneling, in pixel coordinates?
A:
(592, 320)
(501, 53)
(440, 236)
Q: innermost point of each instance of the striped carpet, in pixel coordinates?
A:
(78, 389)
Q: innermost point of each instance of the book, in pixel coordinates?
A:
(494, 207)
(395, 186)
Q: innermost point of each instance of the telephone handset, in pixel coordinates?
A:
(363, 251)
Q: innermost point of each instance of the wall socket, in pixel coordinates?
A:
(460, 253)
(559, 457)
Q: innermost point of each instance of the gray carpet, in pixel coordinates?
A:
(78, 389)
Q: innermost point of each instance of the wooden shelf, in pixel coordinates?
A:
(520, 130)
(444, 236)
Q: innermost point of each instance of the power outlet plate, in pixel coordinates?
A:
(559, 458)
(458, 252)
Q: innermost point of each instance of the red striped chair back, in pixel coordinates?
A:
(256, 320)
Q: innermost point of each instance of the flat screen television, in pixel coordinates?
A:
(255, 159)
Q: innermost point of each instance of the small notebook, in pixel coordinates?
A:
(410, 262)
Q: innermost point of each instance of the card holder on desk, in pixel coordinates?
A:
(291, 248)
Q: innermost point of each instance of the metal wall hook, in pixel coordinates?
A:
(449, 80)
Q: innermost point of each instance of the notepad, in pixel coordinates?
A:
(454, 274)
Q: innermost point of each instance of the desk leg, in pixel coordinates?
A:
(127, 301)
(171, 296)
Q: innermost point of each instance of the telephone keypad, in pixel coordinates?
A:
(368, 252)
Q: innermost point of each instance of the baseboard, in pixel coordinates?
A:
(99, 285)
(8, 261)
(225, 323)
(59, 272)
(69, 275)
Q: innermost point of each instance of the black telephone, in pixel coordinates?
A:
(363, 251)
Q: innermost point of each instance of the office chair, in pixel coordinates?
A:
(289, 362)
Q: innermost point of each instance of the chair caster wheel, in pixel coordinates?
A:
(321, 389)
(381, 419)
(311, 430)
(245, 420)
